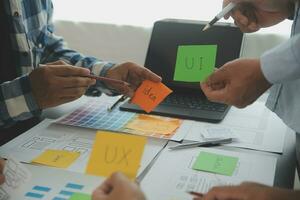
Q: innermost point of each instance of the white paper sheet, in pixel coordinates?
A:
(16, 176)
(254, 127)
(47, 135)
(49, 183)
(173, 174)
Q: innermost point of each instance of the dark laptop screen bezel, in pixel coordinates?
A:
(168, 34)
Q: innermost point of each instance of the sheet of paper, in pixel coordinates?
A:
(47, 135)
(154, 124)
(80, 196)
(16, 176)
(114, 152)
(174, 183)
(56, 158)
(150, 94)
(215, 163)
(194, 63)
(254, 127)
(56, 184)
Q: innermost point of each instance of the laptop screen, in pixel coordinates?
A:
(218, 45)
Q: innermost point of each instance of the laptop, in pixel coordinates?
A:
(187, 100)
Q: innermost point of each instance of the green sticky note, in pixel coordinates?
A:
(194, 63)
(80, 196)
(215, 163)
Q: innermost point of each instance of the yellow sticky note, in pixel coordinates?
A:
(114, 152)
(56, 158)
(154, 124)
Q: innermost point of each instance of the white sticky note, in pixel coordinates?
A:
(215, 133)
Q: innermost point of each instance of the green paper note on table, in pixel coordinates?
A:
(215, 163)
(194, 63)
(80, 196)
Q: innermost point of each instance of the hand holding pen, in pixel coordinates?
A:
(131, 73)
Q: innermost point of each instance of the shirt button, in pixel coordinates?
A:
(16, 14)
(25, 54)
(40, 45)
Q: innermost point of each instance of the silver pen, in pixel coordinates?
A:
(199, 144)
(219, 16)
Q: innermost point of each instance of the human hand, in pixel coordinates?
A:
(58, 83)
(131, 73)
(117, 187)
(2, 177)
(239, 83)
(251, 15)
(249, 191)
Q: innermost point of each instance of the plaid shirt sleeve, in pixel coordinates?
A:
(17, 102)
(16, 99)
(56, 49)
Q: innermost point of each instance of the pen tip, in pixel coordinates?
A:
(206, 27)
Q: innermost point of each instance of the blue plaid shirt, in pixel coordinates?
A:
(34, 43)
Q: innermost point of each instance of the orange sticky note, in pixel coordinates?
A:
(114, 152)
(150, 94)
(56, 158)
(154, 124)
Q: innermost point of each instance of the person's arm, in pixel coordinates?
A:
(282, 64)
(56, 49)
(250, 191)
(17, 101)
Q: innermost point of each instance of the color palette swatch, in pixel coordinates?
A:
(94, 115)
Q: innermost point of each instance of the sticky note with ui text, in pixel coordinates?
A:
(150, 94)
(114, 152)
(56, 158)
(194, 63)
(215, 163)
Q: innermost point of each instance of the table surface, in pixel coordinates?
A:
(286, 163)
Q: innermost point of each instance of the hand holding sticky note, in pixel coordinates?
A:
(114, 152)
(194, 63)
(150, 94)
(56, 158)
(215, 163)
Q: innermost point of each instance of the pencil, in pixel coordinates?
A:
(102, 78)
(195, 194)
(123, 98)
(219, 16)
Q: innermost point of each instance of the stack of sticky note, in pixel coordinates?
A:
(154, 124)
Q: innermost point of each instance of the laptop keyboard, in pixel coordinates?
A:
(194, 102)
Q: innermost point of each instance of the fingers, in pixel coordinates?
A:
(63, 70)
(68, 82)
(244, 15)
(103, 190)
(2, 177)
(58, 62)
(149, 75)
(73, 92)
(218, 95)
(215, 88)
(225, 193)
